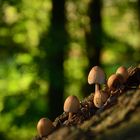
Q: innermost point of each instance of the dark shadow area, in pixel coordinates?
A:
(54, 44)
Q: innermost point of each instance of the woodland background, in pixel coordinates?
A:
(47, 48)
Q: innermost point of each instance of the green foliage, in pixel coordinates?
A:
(22, 91)
(24, 78)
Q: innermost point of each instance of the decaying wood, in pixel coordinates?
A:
(118, 119)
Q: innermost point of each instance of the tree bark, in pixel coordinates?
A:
(121, 121)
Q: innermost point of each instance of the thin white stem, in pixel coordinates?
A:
(97, 87)
(70, 116)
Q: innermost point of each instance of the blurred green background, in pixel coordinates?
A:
(47, 48)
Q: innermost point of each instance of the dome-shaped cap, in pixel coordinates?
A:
(123, 71)
(71, 104)
(44, 127)
(96, 76)
(114, 81)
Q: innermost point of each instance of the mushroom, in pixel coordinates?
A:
(123, 71)
(97, 76)
(100, 98)
(71, 105)
(44, 127)
(115, 81)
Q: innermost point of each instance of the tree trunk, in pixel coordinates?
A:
(55, 56)
(94, 36)
(54, 43)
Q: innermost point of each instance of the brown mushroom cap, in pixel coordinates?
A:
(71, 104)
(123, 71)
(114, 81)
(44, 127)
(96, 76)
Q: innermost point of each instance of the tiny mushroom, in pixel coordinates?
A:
(97, 76)
(44, 127)
(100, 98)
(122, 71)
(114, 82)
(71, 105)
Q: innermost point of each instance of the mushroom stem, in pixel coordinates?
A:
(97, 87)
(70, 116)
(100, 98)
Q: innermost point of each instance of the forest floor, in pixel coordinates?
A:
(117, 119)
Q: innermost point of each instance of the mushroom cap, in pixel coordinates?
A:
(123, 71)
(114, 81)
(44, 127)
(96, 76)
(71, 104)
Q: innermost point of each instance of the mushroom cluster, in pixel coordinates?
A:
(72, 105)
(115, 81)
